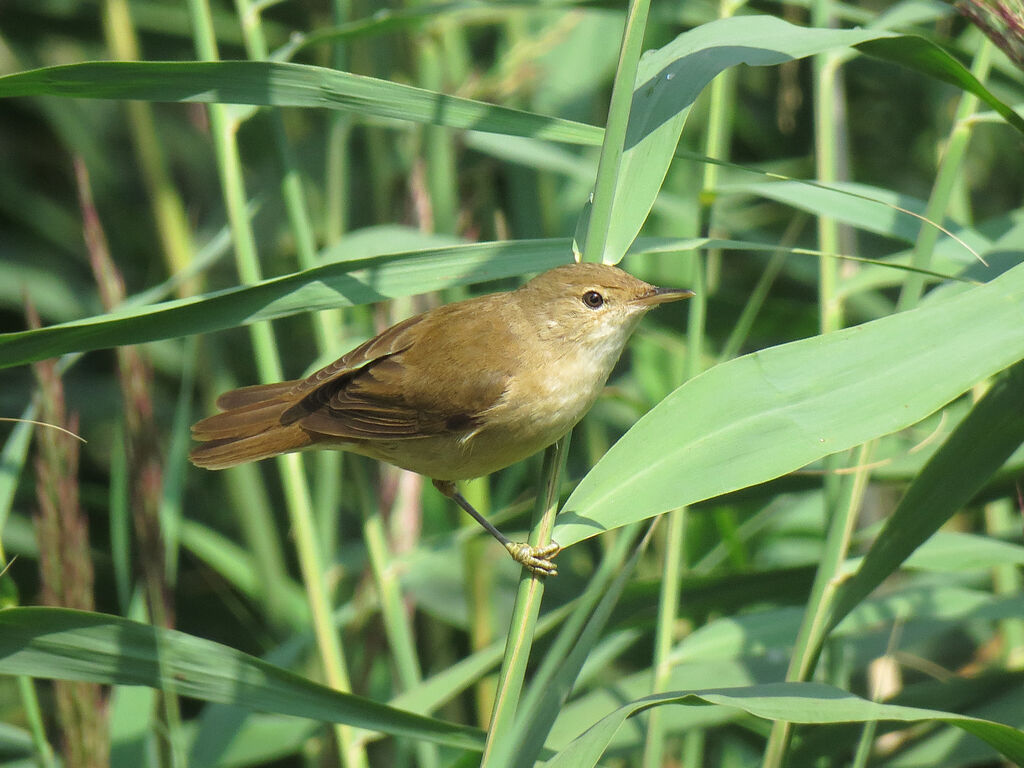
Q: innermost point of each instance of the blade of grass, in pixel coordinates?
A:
(437, 690)
(56, 643)
(793, 702)
(599, 213)
(168, 209)
(561, 668)
(12, 462)
(329, 286)
(523, 626)
(842, 496)
(265, 83)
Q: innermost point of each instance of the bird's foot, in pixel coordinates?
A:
(537, 559)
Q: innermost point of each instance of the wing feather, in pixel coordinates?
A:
(388, 387)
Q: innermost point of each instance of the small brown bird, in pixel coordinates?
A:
(455, 393)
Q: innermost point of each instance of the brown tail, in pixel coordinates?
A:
(249, 430)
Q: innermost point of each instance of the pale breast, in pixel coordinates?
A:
(544, 403)
(539, 404)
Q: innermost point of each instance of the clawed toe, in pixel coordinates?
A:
(537, 559)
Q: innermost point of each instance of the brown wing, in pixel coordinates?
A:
(410, 381)
(257, 393)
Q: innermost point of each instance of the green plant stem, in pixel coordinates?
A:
(313, 576)
(668, 602)
(30, 704)
(844, 501)
(827, 133)
(571, 629)
(829, 136)
(1002, 520)
(527, 605)
(246, 490)
(297, 494)
(596, 237)
(716, 145)
(326, 325)
(168, 209)
(12, 458)
(949, 174)
(339, 128)
(401, 639)
(479, 578)
(745, 323)
(675, 538)
(938, 204)
(573, 647)
(439, 152)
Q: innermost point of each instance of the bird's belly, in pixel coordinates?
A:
(533, 413)
(511, 433)
(521, 427)
(445, 457)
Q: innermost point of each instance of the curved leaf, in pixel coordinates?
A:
(61, 644)
(281, 84)
(790, 702)
(669, 80)
(763, 415)
(333, 285)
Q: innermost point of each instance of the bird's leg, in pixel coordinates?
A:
(537, 559)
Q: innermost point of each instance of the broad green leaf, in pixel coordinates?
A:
(790, 702)
(280, 84)
(668, 82)
(342, 284)
(61, 644)
(763, 415)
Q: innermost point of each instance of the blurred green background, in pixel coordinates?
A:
(113, 206)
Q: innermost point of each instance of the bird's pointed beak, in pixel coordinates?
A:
(656, 296)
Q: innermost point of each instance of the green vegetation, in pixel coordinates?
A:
(195, 198)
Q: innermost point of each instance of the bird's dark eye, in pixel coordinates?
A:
(593, 299)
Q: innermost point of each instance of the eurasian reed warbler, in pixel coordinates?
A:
(455, 393)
